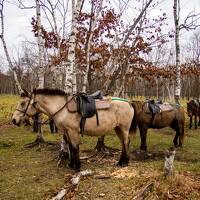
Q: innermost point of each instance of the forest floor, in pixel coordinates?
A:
(32, 173)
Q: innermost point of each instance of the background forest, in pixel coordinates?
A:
(124, 48)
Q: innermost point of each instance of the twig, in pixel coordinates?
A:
(143, 193)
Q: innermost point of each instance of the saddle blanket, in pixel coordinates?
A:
(157, 108)
(100, 104)
(166, 107)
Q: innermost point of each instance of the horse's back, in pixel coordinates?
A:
(120, 114)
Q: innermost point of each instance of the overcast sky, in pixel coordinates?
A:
(18, 27)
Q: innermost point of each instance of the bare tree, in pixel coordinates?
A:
(12, 68)
(93, 21)
(177, 30)
(70, 80)
(190, 23)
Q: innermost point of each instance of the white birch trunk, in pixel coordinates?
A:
(6, 50)
(40, 137)
(70, 80)
(88, 45)
(40, 47)
(177, 30)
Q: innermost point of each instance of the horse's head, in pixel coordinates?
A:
(24, 108)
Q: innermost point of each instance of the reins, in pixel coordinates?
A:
(51, 118)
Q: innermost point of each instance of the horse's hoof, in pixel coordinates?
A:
(143, 149)
(71, 165)
(122, 164)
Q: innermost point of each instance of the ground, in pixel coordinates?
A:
(32, 173)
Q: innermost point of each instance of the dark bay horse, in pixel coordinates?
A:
(193, 109)
(145, 119)
(53, 103)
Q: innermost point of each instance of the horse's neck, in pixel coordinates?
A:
(50, 104)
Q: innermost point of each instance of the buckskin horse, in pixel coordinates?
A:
(146, 119)
(119, 116)
(193, 109)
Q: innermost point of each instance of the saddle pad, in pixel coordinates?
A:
(100, 104)
(166, 107)
(163, 107)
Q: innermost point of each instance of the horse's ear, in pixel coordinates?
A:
(24, 93)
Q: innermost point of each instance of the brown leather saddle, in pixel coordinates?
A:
(87, 106)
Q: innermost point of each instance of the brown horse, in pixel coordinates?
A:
(145, 119)
(53, 103)
(193, 109)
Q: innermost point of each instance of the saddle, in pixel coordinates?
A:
(158, 107)
(154, 106)
(87, 105)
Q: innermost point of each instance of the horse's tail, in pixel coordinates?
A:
(134, 123)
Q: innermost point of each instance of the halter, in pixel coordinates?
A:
(25, 111)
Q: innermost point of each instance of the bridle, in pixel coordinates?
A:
(25, 111)
(34, 105)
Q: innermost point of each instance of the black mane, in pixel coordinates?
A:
(47, 91)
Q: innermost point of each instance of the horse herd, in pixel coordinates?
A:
(122, 116)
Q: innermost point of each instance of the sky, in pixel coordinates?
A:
(18, 27)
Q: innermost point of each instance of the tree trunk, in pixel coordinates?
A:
(93, 22)
(12, 68)
(177, 30)
(70, 79)
(40, 137)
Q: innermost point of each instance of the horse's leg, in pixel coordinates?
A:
(175, 126)
(195, 121)
(143, 137)
(51, 126)
(75, 159)
(100, 144)
(101, 147)
(199, 119)
(190, 122)
(181, 136)
(123, 136)
(74, 141)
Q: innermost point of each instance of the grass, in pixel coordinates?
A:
(33, 174)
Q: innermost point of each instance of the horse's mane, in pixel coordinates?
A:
(48, 91)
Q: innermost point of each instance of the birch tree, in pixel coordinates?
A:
(70, 80)
(40, 47)
(176, 10)
(189, 23)
(12, 68)
(40, 137)
(93, 21)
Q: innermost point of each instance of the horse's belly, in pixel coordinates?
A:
(106, 125)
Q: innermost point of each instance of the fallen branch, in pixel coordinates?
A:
(75, 181)
(60, 195)
(76, 178)
(102, 176)
(143, 193)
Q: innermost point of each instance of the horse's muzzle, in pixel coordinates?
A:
(15, 122)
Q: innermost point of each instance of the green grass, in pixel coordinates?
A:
(33, 174)
(8, 104)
